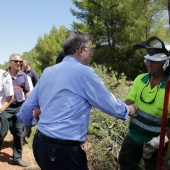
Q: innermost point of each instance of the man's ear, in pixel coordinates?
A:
(80, 49)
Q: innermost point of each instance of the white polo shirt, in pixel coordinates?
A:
(6, 86)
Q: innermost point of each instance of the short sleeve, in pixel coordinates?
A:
(134, 90)
(7, 85)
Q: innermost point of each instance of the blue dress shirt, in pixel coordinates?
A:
(65, 94)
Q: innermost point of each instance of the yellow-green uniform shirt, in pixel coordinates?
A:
(150, 102)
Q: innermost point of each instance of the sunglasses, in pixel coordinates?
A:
(153, 100)
(16, 61)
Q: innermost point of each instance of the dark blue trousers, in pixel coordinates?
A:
(51, 156)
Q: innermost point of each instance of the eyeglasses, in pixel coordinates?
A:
(91, 49)
(152, 101)
(16, 61)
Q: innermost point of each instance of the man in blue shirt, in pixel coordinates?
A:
(37, 111)
(65, 94)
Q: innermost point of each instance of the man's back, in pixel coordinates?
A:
(66, 99)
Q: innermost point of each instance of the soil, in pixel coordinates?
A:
(6, 162)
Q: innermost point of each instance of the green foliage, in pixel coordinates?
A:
(32, 56)
(108, 131)
(116, 26)
(30, 139)
(4, 66)
(112, 80)
(49, 47)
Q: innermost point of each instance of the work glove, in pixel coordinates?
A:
(155, 142)
(150, 147)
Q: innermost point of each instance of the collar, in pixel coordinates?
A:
(27, 71)
(163, 83)
(70, 58)
(19, 72)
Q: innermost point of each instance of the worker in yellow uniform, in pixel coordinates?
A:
(147, 93)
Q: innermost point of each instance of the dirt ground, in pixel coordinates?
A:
(6, 162)
(6, 155)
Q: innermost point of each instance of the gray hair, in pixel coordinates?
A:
(74, 40)
(28, 62)
(13, 55)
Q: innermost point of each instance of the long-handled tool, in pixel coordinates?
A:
(163, 125)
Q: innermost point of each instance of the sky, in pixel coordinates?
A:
(23, 21)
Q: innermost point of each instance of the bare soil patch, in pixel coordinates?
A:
(6, 161)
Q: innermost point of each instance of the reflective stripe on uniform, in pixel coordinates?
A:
(149, 117)
(147, 122)
(146, 127)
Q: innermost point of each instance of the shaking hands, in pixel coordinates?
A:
(132, 110)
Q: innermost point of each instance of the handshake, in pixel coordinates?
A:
(132, 110)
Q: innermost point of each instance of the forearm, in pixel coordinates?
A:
(36, 113)
(26, 112)
(6, 104)
(26, 133)
(27, 128)
(27, 94)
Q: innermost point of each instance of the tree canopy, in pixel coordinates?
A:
(116, 26)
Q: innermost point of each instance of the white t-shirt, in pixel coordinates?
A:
(6, 86)
(30, 83)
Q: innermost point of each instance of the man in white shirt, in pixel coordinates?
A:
(6, 98)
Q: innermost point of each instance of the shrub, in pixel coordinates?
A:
(108, 132)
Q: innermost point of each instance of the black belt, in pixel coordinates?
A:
(16, 105)
(57, 141)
